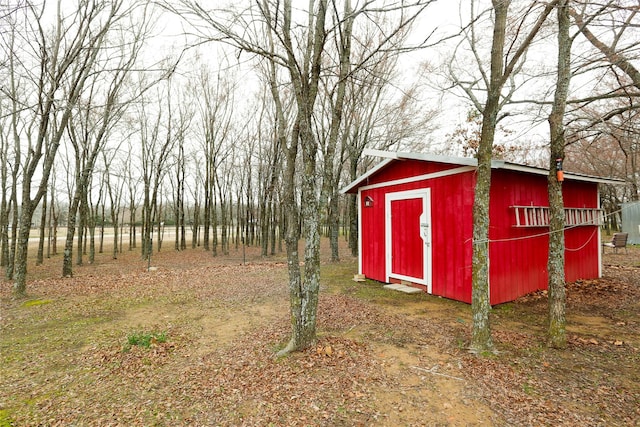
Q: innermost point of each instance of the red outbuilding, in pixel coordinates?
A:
(415, 225)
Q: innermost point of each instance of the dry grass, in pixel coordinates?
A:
(382, 358)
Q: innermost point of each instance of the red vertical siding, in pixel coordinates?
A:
(581, 255)
(518, 256)
(451, 225)
(407, 168)
(372, 235)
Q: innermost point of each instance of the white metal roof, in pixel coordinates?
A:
(390, 156)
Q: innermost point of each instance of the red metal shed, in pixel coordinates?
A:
(415, 225)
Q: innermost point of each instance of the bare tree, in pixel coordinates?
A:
(378, 117)
(608, 148)
(43, 223)
(183, 122)
(52, 218)
(503, 64)
(179, 188)
(618, 19)
(556, 284)
(214, 103)
(269, 173)
(133, 182)
(13, 130)
(608, 114)
(612, 104)
(95, 213)
(155, 150)
(365, 100)
(91, 126)
(196, 195)
(115, 184)
(5, 162)
(65, 58)
(294, 47)
(336, 96)
(224, 177)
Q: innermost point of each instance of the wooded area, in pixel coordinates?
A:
(243, 132)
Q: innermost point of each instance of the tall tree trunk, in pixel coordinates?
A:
(275, 226)
(352, 202)
(43, 224)
(67, 257)
(195, 226)
(49, 228)
(132, 225)
(82, 225)
(224, 244)
(183, 231)
(20, 284)
(115, 221)
(4, 205)
(331, 177)
(265, 224)
(121, 248)
(4, 234)
(481, 340)
(242, 223)
(206, 220)
(214, 224)
(160, 225)
(54, 215)
(176, 229)
(334, 226)
(291, 238)
(303, 294)
(11, 265)
(557, 336)
(102, 224)
(282, 225)
(92, 240)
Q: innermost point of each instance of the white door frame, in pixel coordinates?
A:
(425, 234)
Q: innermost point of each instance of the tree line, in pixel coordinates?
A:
(245, 133)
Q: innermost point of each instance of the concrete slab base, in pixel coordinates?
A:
(403, 288)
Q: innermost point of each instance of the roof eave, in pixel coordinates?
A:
(464, 161)
(366, 175)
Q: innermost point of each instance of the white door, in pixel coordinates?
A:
(408, 236)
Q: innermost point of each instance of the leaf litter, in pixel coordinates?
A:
(379, 360)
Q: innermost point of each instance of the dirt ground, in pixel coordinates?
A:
(382, 358)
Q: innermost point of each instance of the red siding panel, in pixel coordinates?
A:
(518, 256)
(372, 235)
(581, 243)
(452, 221)
(407, 168)
(451, 224)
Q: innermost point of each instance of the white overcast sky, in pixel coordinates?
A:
(443, 16)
